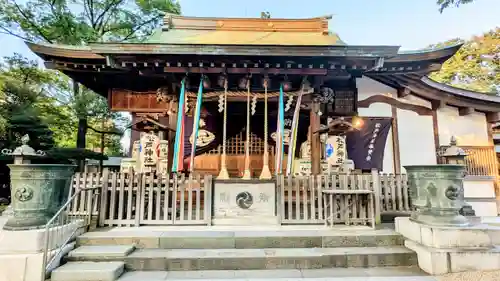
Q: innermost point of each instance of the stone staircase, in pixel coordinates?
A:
(215, 253)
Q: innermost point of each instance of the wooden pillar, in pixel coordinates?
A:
(435, 127)
(396, 153)
(315, 140)
(172, 122)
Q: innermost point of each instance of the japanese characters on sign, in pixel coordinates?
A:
(335, 150)
(371, 145)
(148, 149)
(163, 149)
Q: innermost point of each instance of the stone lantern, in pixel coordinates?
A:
(454, 154)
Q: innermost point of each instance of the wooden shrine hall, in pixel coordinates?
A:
(259, 93)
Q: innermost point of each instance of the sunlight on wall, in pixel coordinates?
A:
(470, 130)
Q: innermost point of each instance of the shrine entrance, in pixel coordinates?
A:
(210, 162)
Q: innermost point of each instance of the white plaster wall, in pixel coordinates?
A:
(367, 88)
(416, 133)
(416, 139)
(469, 130)
(388, 155)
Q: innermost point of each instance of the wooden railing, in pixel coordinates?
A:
(394, 194)
(150, 199)
(480, 160)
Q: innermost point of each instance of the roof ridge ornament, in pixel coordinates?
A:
(167, 22)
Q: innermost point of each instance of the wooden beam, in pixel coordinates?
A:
(437, 104)
(403, 92)
(493, 117)
(242, 70)
(464, 111)
(420, 110)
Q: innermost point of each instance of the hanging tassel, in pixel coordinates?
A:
(254, 104)
(289, 103)
(221, 102)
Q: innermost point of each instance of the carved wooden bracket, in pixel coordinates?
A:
(420, 110)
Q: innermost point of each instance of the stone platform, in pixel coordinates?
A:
(240, 252)
(444, 250)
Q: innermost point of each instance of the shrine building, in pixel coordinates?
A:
(254, 95)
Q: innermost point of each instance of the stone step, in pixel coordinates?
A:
(333, 274)
(88, 271)
(110, 252)
(214, 238)
(277, 258)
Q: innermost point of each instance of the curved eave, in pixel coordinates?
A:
(461, 92)
(426, 55)
(434, 91)
(47, 51)
(416, 62)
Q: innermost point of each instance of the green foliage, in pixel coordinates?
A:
(38, 102)
(476, 66)
(65, 154)
(444, 4)
(78, 22)
(21, 123)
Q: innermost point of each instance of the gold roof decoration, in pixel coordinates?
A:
(245, 31)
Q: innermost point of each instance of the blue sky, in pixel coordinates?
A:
(412, 24)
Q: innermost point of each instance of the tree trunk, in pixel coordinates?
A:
(81, 137)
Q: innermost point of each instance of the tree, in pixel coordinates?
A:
(30, 105)
(476, 66)
(444, 4)
(78, 22)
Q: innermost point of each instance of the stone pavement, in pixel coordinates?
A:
(330, 274)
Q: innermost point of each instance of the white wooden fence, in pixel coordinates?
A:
(337, 198)
(148, 199)
(154, 199)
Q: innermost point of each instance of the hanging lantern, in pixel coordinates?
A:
(287, 85)
(221, 80)
(206, 82)
(266, 82)
(242, 84)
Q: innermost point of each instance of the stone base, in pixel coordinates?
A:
(33, 241)
(244, 220)
(21, 254)
(442, 250)
(244, 203)
(37, 221)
